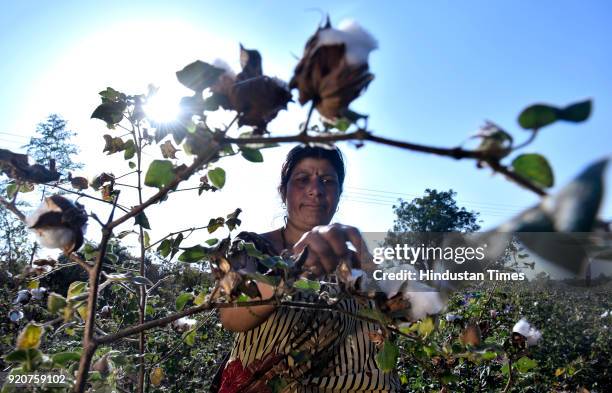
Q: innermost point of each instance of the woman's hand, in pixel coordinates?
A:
(327, 247)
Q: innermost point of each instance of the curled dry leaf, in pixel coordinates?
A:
(168, 150)
(471, 335)
(334, 68)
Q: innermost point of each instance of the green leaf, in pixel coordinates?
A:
(252, 251)
(488, 355)
(199, 75)
(189, 337)
(215, 223)
(252, 155)
(182, 299)
(132, 164)
(55, 302)
(159, 174)
(129, 150)
(30, 336)
(164, 247)
(200, 299)
(386, 358)
(109, 112)
(175, 244)
(76, 288)
(525, 364)
(534, 167)
(142, 220)
(62, 358)
(212, 242)
(12, 188)
(194, 254)
(538, 116)
(23, 355)
(425, 327)
(342, 124)
(217, 177)
(577, 112)
(307, 285)
(147, 239)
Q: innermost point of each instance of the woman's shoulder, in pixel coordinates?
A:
(241, 256)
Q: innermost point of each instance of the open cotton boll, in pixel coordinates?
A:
(54, 237)
(184, 324)
(59, 237)
(358, 42)
(531, 334)
(423, 299)
(45, 207)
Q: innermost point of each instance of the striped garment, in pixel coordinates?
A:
(325, 351)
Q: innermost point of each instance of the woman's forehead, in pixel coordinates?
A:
(320, 166)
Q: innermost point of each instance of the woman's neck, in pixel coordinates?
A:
(291, 234)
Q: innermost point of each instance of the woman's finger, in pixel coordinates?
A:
(319, 248)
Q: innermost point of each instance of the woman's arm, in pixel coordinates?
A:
(241, 319)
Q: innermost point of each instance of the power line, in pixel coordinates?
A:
(417, 196)
(370, 202)
(17, 135)
(394, 200)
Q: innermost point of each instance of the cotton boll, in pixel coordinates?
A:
(423, 300)
(184, 324)
(23, 297)
(55, 237)
(45, 207)
(531, 334)
(38, 293)
(59, 223)
(359, 42)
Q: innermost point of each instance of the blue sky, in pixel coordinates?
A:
(442, 68)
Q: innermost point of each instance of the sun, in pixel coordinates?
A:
(163, 106)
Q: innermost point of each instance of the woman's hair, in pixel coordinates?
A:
(300, 152)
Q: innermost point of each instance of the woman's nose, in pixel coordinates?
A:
(315, 187)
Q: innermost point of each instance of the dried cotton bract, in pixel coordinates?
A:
(334, 68)
(531, 334)
(59, 223)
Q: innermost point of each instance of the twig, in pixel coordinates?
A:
(81, 194)
(497, 167)
(13, 208)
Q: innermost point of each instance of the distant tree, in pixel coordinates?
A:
(436, 211)
(424, 220)
(53, 143)
(15, 247)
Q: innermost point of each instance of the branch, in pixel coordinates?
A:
(81, 194)
(192, 229)
(183, 175)
(11, 206)
(364, 135)
(518, 179)
(212, 305)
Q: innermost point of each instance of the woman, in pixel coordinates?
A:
(303, 350)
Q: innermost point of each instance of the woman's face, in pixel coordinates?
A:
(313, 192)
